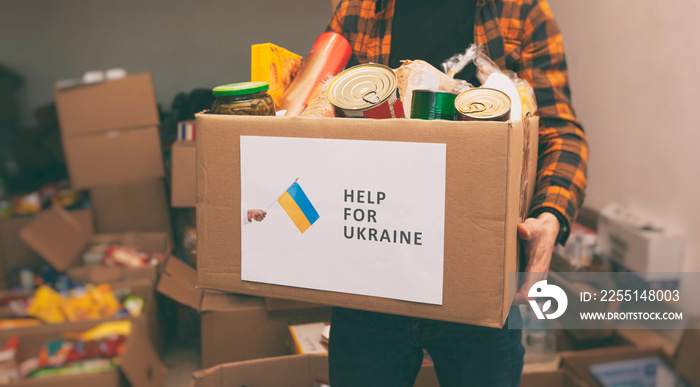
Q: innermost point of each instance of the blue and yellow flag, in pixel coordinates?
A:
(298, 207)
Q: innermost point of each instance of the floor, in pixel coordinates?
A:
(182, 360)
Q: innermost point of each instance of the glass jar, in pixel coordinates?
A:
(246, 98)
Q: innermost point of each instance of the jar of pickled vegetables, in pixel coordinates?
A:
(246, 98)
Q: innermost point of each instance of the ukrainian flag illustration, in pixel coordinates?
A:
(298, 207)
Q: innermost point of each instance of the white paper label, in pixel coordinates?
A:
(369, 216)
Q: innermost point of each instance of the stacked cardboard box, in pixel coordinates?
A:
(234, 327)
(183, 178)
(59, 238)
(112, 147)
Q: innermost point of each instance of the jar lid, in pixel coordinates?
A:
(240, 89)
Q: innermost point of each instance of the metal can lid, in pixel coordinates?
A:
(362, 86)
(483, 103)
(240, 89)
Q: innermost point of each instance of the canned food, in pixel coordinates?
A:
(433, 105)
(483, 104)
(366, 91)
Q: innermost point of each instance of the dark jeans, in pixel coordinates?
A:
(376, 349)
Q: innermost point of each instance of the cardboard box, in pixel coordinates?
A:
(274, 304)
(60, 239)
(139, 364)
(135, 206)
(118, 156)
(234, 327)
(183, 189)
(684, 361)
(138, 287)
(287, 371)
(16, 254)
(638, 243)
(558, 378)
(489, 180)
(124, 103)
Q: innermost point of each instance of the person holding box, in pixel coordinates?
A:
(369, 348)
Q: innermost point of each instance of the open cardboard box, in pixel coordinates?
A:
(684, 361)
(16, 254)
(287, 371)
(149, 317)
(234, 327)
(489, 183)
(139, 365)
(60, 239)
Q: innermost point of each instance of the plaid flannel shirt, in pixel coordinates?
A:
(522, 36)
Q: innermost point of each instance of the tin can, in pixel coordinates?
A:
(433, 105)
(366, 91)
(482, 104)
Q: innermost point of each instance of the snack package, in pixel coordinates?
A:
(417, 75)
(121, 256)
(99, 302)
(319, 105)
(485, 68)
(55, 353)
(46, 305)
(9, 369)
(104, 330)
(274, 65)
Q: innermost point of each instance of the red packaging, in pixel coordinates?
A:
(328, 56)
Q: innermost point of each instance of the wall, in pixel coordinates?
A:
(184, 43)
(633, 69)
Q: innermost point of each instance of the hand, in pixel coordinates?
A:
(540, 235)
(258, 215)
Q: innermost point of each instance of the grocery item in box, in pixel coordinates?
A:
(328, 56)
(274, 65)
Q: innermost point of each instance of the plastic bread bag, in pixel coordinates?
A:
(420, 75)
(319, 105)
(490, 75)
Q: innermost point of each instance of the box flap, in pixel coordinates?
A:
(290, 371)
(210, 377)
(688, 355)
(139, 362)
(179, 282)
(57, 236)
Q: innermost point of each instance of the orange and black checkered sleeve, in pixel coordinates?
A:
(348, 16)
(563, 151)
